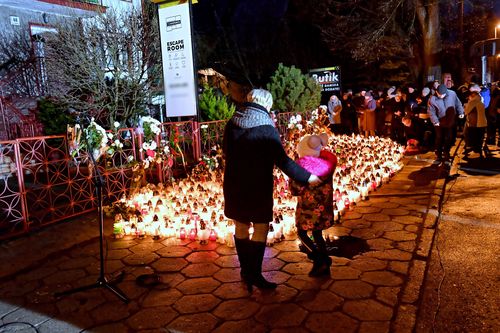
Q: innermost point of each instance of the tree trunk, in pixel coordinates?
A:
(428, 18)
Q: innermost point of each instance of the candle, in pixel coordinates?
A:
(182, 233)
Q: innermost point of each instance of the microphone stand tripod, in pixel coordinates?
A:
(102, 281)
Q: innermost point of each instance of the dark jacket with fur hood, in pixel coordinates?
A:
(252, 147)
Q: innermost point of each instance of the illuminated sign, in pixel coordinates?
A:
(328, 78)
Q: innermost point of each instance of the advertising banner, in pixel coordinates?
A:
(177, 59)
(328, 78)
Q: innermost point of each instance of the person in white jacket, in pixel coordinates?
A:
(334, 109)
(476, 122)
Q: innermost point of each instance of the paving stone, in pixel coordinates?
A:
(305, 282)
(174, 251)
(228, 261)
(388, 204)
(369, 210)
(430, 220)
(287, 246)
(340, 261)
(375, 327)
(202, 256)
(237, 309)
(151, 318)
(194, 323)
(60, 277)
(241, 326)
(388, 295)
(319, 300)
(276, 276)
(279, 295)
(196, 246)
(118, 254)
(408, 246)
(391, 254)
(146, 246)
(400, 235)
(367, 233)
(170, 280)
(112, 266)
(380, 244)
(376, 217)
(353, 215)
(110, 312)
(387, 226)
(231, 290)
(297, 268)
(399, 266)
(81, 262)
(131, 289)
(368, 264)
(382, 278)
(367, 309)
(352, 289)
(228, 275)
(157, 298)
(289, 330)
(415, 280)
(169, 264)
(395, 212)
(36, 274)
(203, 285)
(200, 270)
(405, 319)
(288, 257)
(225, 250)
(340, 231)
(334, 322)
(411, 228)
(425, 242)
(122, 243)
(271, 252)
(140, 259)
(345, 273)
(281, 315)
(196, 303)
(356, 224)
(272, 264)
(407, 219)
(83, 302)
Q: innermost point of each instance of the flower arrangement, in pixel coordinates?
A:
(116, 145)
(150, 129)
(95, 142)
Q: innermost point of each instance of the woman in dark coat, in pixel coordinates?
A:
(252, 147)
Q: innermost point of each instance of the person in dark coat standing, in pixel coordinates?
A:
(252, 147)
(442, 109)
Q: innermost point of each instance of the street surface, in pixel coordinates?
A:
(462, 284)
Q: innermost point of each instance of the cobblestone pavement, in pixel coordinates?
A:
(200, 289)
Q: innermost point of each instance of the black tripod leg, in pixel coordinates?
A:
(115, 290)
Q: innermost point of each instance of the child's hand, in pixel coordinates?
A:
(314, 180)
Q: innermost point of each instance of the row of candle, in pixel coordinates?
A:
(192, 208)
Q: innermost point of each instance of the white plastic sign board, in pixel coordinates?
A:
(177, 59)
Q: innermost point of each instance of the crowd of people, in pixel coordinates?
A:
(430, 115)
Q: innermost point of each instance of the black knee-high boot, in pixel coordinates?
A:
(243, 256)
(251, 256)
